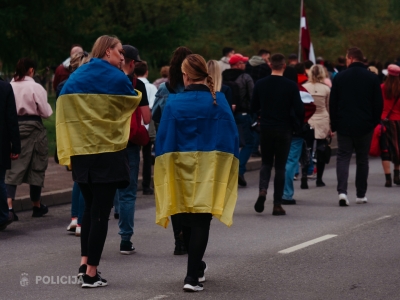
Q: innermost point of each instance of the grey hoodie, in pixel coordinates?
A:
(224, 64)
(256, 61)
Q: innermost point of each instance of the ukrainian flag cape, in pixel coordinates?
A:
(197, 149)
(94, 111)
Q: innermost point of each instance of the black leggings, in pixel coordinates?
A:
(35, 192)
(196, 229)
(146, 171)
(99, 198)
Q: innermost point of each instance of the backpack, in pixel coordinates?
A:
(242, 104)
(138, 133)
(235, 91)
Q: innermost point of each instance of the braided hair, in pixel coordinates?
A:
(196, 69)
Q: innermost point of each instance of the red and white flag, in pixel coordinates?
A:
(307, 49)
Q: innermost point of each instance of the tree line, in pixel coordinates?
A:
(45, 30)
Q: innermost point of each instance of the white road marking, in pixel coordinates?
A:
(381, 218)
(158, 297)
(309, 243)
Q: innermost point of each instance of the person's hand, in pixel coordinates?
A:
(14, 156)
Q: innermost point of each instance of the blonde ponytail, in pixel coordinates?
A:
(210, 83)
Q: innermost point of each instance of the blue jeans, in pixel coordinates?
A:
(78, 203)
(3, 197)
(127, 196)
(292, 164)
(244, 155)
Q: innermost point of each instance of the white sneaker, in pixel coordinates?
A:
(361, 200)
(193, 288)
(343, 201)
(78, 231)
(72, 225)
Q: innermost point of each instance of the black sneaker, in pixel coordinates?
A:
(93, 282)
(148, 191)
(9, 220)
(126, 247)
(241, 180)
(15, 215)
(288, 202)
(82, 271)
(203, 269)
(193, 288)
(39, 211)
(259, 206)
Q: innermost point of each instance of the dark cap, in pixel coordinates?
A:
(293, 56)
(131, 52)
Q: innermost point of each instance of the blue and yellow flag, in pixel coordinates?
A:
(94, 111)
(197, 149)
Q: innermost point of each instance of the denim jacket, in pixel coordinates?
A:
(161, 100)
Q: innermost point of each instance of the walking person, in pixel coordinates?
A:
(77, 201)
(10, 146)
(196, 164)
(355, 109)
(32, 106)
(319, 121)
(278, 102)
(391, 120)
(242, 91)
(102, 99)
(175, 85)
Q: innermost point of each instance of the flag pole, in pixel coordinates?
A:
(301, 16)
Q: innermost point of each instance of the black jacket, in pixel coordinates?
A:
(258, 72)
(356, 102)
(244, 92)
(9, 130)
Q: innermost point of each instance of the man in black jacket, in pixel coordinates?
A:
(355, 109)
(10, 146)
(278, 101)
(242, 90)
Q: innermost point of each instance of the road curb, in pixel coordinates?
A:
(59, 197)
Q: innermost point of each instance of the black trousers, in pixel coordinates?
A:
(275, 144)
(346, 145)
(99, 198)
(146, 173)
(196, 229)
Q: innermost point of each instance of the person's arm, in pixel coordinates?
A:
(12, 123)
(377, 105)
(333, 104)
(298, 106)
(40, 98)
(146, 114)
(255, 101)
(249, 86)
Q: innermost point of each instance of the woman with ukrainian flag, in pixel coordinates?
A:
(92, 123)
(196, 166)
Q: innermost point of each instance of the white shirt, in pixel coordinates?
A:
(151, 91)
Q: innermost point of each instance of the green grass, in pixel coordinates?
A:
(50, 125)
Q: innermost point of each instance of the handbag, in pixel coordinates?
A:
(305, 156)
(325, 151)
(379, 141)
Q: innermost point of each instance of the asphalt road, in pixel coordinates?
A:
(356, 256)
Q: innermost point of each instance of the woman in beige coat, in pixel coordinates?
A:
(320, 119)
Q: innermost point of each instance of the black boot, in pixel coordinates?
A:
(320, 172)
(304, 184)
(396, 179)
(388, 182)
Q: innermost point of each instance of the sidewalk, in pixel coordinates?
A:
(58, 184)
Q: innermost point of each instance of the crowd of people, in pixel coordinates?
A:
(204, 120)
